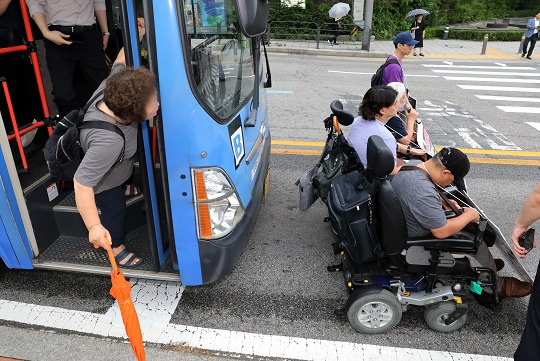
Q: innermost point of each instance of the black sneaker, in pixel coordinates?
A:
(528, 57)
(523, 55)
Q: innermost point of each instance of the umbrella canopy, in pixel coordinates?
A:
(339, 10)
(414, 13)
(121, 291)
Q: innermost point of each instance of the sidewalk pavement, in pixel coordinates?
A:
(438, 49)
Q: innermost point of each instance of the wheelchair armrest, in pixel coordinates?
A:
(445, 244)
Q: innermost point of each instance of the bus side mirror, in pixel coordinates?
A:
(252, 16)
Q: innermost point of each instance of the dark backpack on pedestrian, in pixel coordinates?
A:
(63, 151)
(376, 79)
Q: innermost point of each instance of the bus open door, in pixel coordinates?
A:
(202, 163)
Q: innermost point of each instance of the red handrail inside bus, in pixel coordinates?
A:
(29, 47)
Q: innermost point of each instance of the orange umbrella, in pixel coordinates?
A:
(121, 291)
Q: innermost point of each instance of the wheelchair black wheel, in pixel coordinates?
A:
(436, 315)
(375, 312)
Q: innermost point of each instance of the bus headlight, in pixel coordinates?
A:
(218, 206)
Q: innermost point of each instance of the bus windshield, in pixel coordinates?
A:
(222, 72)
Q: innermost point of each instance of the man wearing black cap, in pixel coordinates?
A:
(424, 214)
(393, 71)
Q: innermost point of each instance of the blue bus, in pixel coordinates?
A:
(203, 163)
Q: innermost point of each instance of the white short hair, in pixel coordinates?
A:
(400, 88)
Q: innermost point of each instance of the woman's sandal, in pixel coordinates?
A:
(421, 54)
(129, 263)
(133, 190)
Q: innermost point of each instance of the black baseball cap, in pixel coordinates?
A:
(456, 162)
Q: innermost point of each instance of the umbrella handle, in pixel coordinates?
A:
(111, 258)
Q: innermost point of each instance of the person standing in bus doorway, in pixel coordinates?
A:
(129, 97)
(73, 41)
(529, 347)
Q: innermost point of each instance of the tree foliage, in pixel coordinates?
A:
(388, 15)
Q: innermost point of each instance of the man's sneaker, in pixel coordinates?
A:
(512, 287)
(523, 55)
(528, 57)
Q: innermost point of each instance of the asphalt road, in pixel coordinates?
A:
(281, 286)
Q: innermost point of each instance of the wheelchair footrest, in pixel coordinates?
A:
(461, 310)
(335, 267)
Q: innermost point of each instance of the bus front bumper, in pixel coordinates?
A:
(219, 257)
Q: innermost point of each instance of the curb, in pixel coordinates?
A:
(325, 52)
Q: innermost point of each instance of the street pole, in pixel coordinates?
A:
(368, 18)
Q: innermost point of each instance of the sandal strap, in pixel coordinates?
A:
(122, 255)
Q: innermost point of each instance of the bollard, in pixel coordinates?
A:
(446, 30)
(318, 36)
(484, 45)
(521, 44)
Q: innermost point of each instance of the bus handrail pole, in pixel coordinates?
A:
(27, 129)
(35, 63)
(13, 49)
(14, 122)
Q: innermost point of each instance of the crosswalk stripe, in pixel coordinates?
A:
(476, 72)
(512, 109)
(508, 99)
(499, 88)
(479, 67)
(494, 80)
(534, 125)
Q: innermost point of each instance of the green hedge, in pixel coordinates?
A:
(388, 15)
(500, 35)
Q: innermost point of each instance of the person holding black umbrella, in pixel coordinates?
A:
(418, 29)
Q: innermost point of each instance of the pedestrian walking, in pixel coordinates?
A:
(531, 36)
(73, 40)
(529, 347)
(393, 71)
(418, 29)
(335, 26)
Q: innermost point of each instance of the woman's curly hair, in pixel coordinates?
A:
(127, 92)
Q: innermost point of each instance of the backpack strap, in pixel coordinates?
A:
(96, 124)
(444, 198)
(391, 61)
(92, 100)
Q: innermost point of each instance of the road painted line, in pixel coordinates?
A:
(408, 75)
(534, 125)
(502, 161)
(513, 153)
(494, 80)
(499, 88)
(237, 343)
(271, 91)
(478, 67)
(508, 99)
(512, 109)
(475, 72)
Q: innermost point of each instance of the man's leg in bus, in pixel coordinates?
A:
(112, 204)
(61, 62)
(91, 61)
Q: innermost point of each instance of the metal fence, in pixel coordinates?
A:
(313, 35)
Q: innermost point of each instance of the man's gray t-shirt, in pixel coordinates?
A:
(420, 201)
(102, 149)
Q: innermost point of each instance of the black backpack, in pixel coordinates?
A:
(63, 151)
(376, 79)
(351, 215)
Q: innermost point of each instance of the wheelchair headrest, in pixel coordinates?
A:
(380, 159)
(344, 118)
